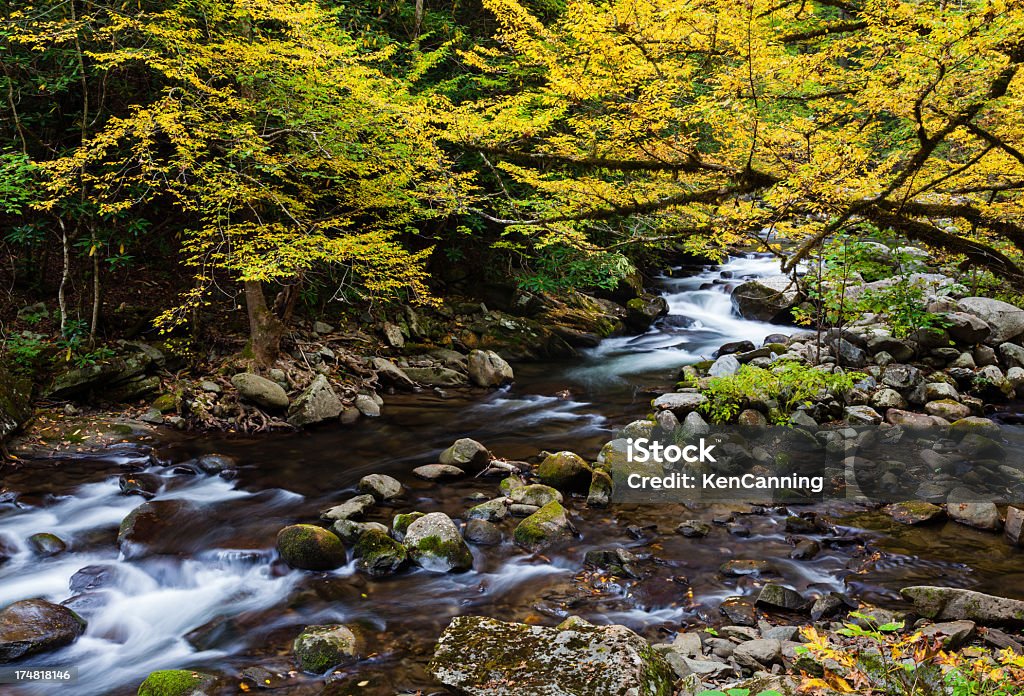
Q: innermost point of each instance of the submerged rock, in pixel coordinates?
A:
(34, 625)
(308, 547)
(318, 648)
(915, 512)
(46, 545)
(434, 543)
(177, 682)
(485, 657)
(954, 604)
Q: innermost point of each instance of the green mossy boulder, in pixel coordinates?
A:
(565, 470)
(379, 554)
(177, 682)
(400, 524)
(318, 648)
(308, 547)
(543, 528)
(434, 543)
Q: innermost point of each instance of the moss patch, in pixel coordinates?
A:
(176, 682)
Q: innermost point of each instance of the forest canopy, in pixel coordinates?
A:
(264, 146)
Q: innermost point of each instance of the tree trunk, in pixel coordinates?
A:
(65, 272)
(265, 329)
(96, 296)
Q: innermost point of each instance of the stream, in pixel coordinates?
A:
(218, 600)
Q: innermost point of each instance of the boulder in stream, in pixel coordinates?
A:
(488, 369)
(564, 470)
(766, 299)
(465, 453)
(485, 657)
(308, 547)
(318, 648)
(543, 528)
(955, 604)
(434, 543)
(315, 404)
(379, 554)
(34, 625)
(178, 682)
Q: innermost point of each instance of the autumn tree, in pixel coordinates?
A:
(696, 123)
(278, 139)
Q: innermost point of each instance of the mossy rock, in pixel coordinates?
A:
(434, 543)
(543, 528)
(308, 547)
(318, 648)
(379, 554)
(177, 682)
(566, 470)
(400, 524)
(536, 494)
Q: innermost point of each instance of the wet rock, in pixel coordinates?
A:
(829, 605)
(390, 373)
(378, 554)
(948, 409)
(1005, 320)
(316, 403)
(724, 366)
(973, 424)
(774, 596)
(522, 509)
(766, 299)
(535, 494)
(679, 404)
(144, 485)
(352, 508)
(260, 391)
(178, 682)
(485, 657)
(566, 470)
(437, 376)
(45, 545)
(309, 547)
(976, 446)
(381, 486)
(483, 533)
(543, 528)
(736, 347)
(910, 420)
(215, 463)
(465, 453)
(366, 405)
(739, 611)
(914, 512)
(487, 369)
(401, 523)
(642, 311)
(434, 543)
(600, 492)
(318, 648)
(738, 568)
(758, 654)
(438, 472)
(34, 626)
(1014, 528)
(805, 550)
(350, 531)
(966, 508)
(157, 527)
(955, 604)
(850, 355)
(694, 529)
(491, 511)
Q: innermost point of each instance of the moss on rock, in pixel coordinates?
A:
(318, 648)
(379, 554)
(309, 547)
(565, 470)
(177, 682)
(543, 528)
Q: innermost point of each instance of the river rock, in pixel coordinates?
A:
(966, 508)
(1013, 355)
(694, 529)
(482, 533)
(914, 512)
(766, 299)
(318, 648)
(158, 527)
(465, 453)
(378, 554)
(564, 470)
(910, 420)
(775, 596)
(888, 398)
(178, 682)
(948, 409)
(390, 373)
(535, 494)
(491, 511)
(260, 390)
(861, 415)
(973, 424)
(438, 472)
(480, 656)
(34, 625)
(644, 310)
(381, 486)
(901, 377)
(724, 366)
(434, 543)
(543, 528)
(315, 404)
(737, 347)
(45, 545)
(15, 403)
(740, 567)
(1005, 320)
(680, 404)
(964, 327)
(308, 547)
(955, 604)
(600, 492)
(401, 523)
(488, 369)
(758, 653)
(349, 531)
(353, 507)
(437, 376)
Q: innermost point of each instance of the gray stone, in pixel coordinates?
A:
(437, 376)
(316, 403)
(725, 366)
(1013, 355)
(391, 373)
(537, 495)
(680, 404)
(947, 409)
(955, 604)
(693, 426)
(915, 512)
(757, 654)
(900, 377)
(910, 420)
(492, 510)
(544, 527)
(434, 543)
(480, 656)
(967, 509)
(488, 369)
(861, 415)
(802, 419)
(565, 470)
(366, 405)
(378, 555)
(966, 328)
(667, 422)
(260, 390)
(850, 355)
(774, 596)
(437, 472)
(482, 533)
(350, 531)
(1014, 528)
(888, 398)
(322, 328)
(951, 635)
(318, 648)
(1005, 320)
(15, 403)
(694, 529)
(465, 453)
(766, 299)
(352, 508)
(393, 335)
(381, 486)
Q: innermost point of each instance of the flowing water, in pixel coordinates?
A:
(217, 599)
